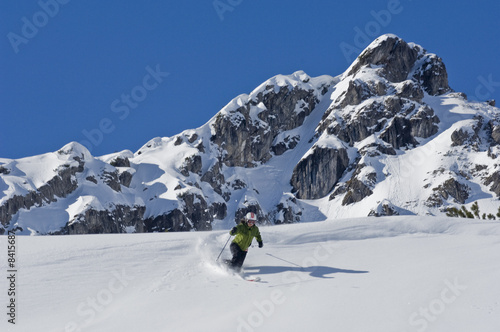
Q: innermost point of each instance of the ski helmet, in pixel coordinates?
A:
(252, 217)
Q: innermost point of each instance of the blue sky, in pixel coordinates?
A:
(115, 74)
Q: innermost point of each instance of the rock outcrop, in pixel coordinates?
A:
(316, 175)
(61, 185)
(119, 219)
(247, 132)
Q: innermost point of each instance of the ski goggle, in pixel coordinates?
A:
(251, 222)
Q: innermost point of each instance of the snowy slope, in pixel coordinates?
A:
(367, 274)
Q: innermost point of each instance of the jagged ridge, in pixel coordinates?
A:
(388, 136)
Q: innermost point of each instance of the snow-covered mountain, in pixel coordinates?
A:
(388, 136)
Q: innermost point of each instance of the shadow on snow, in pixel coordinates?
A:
(313, 271)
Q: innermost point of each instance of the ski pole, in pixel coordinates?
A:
(223, 248)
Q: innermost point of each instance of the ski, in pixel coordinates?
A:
(255, 279)
(226, 265)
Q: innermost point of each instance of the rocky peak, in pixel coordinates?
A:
(397, 61)
(247, 128)
(395, 57)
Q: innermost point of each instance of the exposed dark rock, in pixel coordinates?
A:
(397, 60)
(368, 120)
(410, 90)
(201, 147)
(120, 219)
(286, 211)
(4, 170)
(479, 168)
(17, 202)
(196, 214)
(393, 119)
(424, 123)
(191, 164)
(215, 178)
(125, 178)
(91, 179)
(462, 137)
(494, 181)
(357, 190)
(494, 130)
(384, 210)
(356, 92)
(120, 162)
(458, 95)
(452, 188)
(112, 180)
(433, 76)
(60, 185)
(459, 137)
(218, 210)
(288, 143)
(196, 211)
(238, 184)
(316, 175)
(491, 102)
(247, 142)
(174, 221)
(374, 150)
(178, 141)
(242, 143)
(394, 55)
(398, 133)
(340, 190)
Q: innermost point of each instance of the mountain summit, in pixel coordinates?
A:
(388, 136)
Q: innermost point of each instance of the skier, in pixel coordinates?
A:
(245, 232)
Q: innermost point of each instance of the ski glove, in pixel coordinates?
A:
(261, 244)
(233, 231)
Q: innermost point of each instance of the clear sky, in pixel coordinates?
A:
(114, 74)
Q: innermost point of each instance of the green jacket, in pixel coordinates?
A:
(245, 235)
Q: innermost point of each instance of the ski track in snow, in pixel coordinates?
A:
(365, 274)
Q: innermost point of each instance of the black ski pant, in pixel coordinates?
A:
(238, 256)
